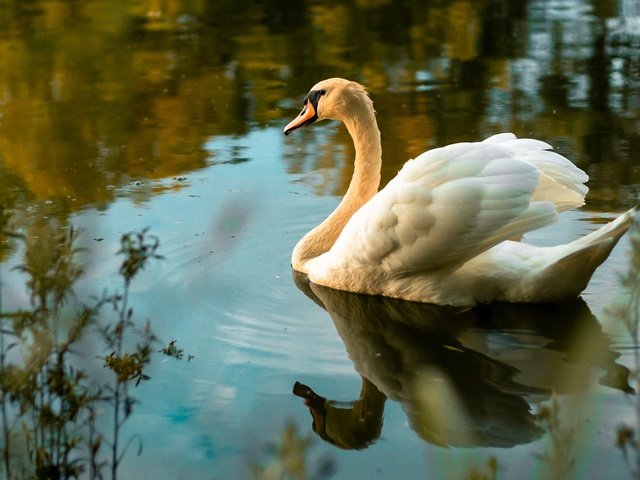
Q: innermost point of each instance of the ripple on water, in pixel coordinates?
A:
(254, 314)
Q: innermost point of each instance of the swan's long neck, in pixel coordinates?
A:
(362, 126)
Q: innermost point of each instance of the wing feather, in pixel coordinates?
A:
(450, 204)
(561, 183)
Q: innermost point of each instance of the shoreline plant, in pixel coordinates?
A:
(54, 414)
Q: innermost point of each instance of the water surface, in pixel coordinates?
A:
(123, 115)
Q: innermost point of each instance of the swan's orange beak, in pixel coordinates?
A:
(306, 117)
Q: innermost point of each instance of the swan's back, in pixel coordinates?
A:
(450, 204)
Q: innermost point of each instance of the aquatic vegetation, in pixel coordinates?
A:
(137, 249)
(490, 471)
(172, 350)
(560, 455)
(628, 313)
(289, 459)
(52, 405)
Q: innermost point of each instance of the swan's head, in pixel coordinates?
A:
(334, 99)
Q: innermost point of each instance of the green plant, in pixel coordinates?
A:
(48, 401)
(489, 473)
(627, 312)
(560, 455)
(137, 249)
(289, 460)
(41, 390)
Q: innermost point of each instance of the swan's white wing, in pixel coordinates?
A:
(450, 204)
(561, 182)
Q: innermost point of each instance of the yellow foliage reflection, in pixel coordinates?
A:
(97, 94)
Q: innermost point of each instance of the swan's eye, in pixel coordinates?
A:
(321, 92)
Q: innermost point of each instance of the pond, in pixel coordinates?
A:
(116, 116)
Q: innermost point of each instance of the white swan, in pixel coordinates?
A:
(446, 229)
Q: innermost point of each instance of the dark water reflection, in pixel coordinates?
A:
(464, 377)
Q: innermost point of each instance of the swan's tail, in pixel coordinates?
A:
(576, 261)
(609, 233)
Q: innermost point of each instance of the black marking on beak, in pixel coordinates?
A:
(309, 113)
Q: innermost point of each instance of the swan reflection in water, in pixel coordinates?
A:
(464, 377)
